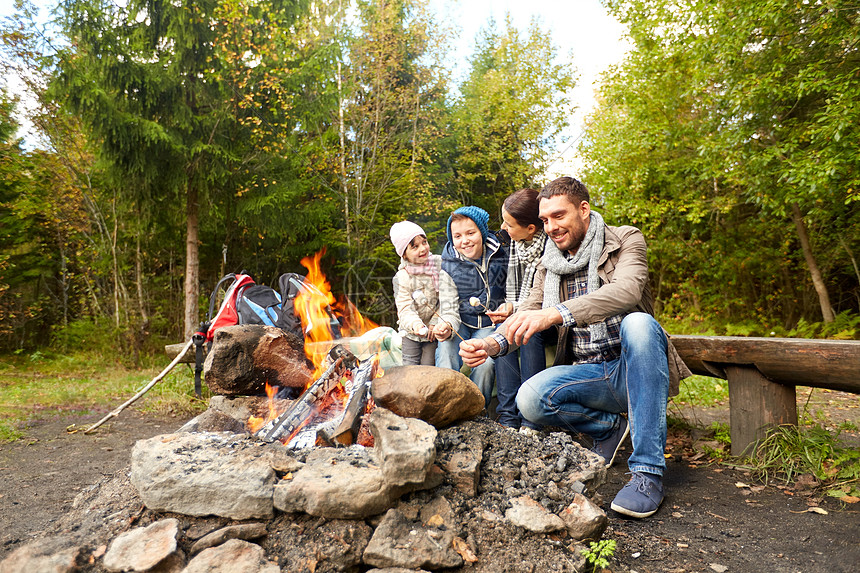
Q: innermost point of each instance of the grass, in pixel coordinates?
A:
(47, 384)
(788, 452)
(702, 391)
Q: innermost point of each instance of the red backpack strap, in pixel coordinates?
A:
(227, 314)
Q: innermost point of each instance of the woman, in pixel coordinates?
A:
(521, 221)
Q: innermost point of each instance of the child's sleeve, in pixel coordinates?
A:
(407, 317)
(449, 301)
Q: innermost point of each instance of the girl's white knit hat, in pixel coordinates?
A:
(402, 234)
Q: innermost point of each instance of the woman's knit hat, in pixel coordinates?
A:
(478, 215)
(402, 234)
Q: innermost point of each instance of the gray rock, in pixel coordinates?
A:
(339, 484)
(439, 396)
(244, 358)
(142, 548)
(239, 407)
(401, 542)
(405, 446)
(592, 473)
(234, 556)
(204, 474)
(529, 514)
(214, 421)
(583, 519)
(246, 531)
(50, 555)
(464, 471)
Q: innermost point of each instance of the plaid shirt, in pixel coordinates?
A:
(580, 343)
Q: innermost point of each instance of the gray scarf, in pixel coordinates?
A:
(530, 255)
(557, 266)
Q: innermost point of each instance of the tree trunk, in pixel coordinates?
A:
(817, 279)
(192, 263)
(138, 271)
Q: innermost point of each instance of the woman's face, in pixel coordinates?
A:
(515, 230)
(467, 238)
(417, 251)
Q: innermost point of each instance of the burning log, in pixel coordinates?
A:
(350, 420)
(300, 411)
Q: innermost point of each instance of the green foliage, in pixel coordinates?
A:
(702, 391)
(845, 326)
(512, 108)
(599, 553)
(791, 451)
(709, 137)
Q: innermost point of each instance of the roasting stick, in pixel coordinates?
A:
(419, 297)
(143, 391)
(475, 301)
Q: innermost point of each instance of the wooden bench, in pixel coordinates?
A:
(762, 374)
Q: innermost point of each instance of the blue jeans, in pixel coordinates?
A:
(448, 356)
(511, 370)
(589, 397)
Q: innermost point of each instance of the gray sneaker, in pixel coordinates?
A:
(641, 497)
(608, 448)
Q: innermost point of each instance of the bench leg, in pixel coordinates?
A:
(756, 404)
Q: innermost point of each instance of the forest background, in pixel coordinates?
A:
(184, 140)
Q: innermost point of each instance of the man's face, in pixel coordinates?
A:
(564, 222)
(467, 238)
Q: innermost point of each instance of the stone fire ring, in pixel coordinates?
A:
(240, 477)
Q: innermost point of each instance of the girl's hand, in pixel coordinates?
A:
(442, 331)
(500, 314)
(424, 332)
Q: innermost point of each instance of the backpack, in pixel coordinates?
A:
(246, 302)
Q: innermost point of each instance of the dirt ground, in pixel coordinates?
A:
(714, 518)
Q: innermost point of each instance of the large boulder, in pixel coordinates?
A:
(439, 396)
(243, 358)
(205, 474)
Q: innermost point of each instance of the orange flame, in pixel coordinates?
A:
(254, 422)
(354, 323)
(313, 309)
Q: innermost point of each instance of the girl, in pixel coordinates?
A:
(424, 294)
(521, 221)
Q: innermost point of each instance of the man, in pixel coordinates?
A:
(612, 356)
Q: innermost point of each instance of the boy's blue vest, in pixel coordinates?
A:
(488, 284)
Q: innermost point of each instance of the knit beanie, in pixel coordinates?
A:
(402, 234)
(478, 215)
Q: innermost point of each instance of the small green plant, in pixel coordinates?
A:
(599, 553)
(722, 433)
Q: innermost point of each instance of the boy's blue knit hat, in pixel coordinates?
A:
(478, 215)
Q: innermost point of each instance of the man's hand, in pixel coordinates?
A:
(520, 327)
(475, 351)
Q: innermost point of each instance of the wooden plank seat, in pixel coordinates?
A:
(762, 374)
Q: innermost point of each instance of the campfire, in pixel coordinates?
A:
(332, 408)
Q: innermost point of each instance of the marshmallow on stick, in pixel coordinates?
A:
(475, 301)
